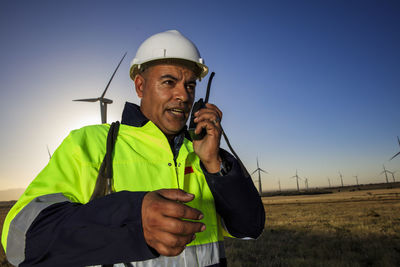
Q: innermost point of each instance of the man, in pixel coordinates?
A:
(173, 199)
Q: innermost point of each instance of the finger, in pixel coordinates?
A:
(207, 114)
(212, 128)
(214, 107)
(167, 251)
(210, 108)
(176, 195)
(181, 227)
(173, 240)
(181, 211)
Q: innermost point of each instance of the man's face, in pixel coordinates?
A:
(167, 94)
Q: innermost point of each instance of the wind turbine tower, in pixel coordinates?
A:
(259, 177)
(385, 171)
(329, 182)
(392, 173)
(279, 182)
(341, 178)
(103, 101)
(398, 153)
(306, 183)
(356, 176)
(393, 176)
(297, 181)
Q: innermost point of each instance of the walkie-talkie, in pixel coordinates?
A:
(196, 107)
(192, 126)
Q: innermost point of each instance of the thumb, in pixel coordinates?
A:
(176, 195)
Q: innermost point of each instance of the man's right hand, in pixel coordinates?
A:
(163, 227)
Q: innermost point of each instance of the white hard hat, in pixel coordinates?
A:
(167, 45)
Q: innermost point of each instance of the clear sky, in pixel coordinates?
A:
(306, 85)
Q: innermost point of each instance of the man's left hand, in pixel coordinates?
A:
(207, 148)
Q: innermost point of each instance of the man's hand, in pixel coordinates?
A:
(163, 227)
(207, 148)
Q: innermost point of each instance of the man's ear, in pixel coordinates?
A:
(139, 85)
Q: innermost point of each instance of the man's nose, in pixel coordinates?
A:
(181, 92)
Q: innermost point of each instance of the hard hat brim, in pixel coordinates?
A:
(198, 68)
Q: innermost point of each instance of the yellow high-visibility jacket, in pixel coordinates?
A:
(54, 224)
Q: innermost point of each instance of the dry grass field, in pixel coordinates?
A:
(360, 228)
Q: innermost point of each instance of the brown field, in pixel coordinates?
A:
(360, 228)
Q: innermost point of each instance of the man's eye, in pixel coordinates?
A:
(190, 87)
(169, 82)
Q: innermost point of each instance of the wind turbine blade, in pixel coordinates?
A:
(254, 172)
(87, 100)
(108, 84)
(263, 171)
(398, 140)
(395, 155)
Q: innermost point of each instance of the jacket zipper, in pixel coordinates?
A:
(175, 151)
(177, 177)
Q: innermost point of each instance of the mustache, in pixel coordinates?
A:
(179, 105)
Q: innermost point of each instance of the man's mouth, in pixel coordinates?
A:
(177, 112)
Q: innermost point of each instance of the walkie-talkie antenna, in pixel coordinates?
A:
(246, 173)
(209, 86)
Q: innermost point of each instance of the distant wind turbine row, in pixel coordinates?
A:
(306, 185)
(385, 171)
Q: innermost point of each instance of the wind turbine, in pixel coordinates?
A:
(341, 178)
(398, 153)
(103, 101)
(297, 180)
(385, 171)
(259, 177)
(392, 173)
(329, 181)
(306, 183)
(356, 176)
(279, 182)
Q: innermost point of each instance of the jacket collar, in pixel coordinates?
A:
(133, 116)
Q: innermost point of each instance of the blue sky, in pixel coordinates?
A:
(306, 85)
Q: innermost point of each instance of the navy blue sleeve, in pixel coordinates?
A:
(104, 231)
(236, 199)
